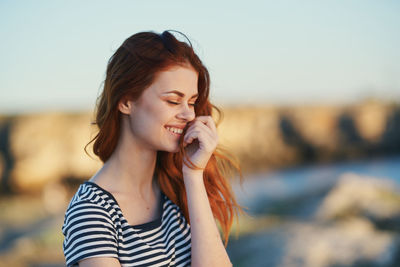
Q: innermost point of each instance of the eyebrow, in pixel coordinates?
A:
(180, 93)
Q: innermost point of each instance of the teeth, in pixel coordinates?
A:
(174, 130)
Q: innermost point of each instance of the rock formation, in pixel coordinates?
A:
(38, 149)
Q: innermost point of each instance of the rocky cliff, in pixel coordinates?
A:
(41, 149)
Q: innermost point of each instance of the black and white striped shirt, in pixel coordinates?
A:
(94, 226)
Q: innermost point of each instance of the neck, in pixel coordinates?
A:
(130, 169)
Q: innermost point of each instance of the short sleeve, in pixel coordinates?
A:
(88, 232)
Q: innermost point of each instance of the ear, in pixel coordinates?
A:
(125, 106)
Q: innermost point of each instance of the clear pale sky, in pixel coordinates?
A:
(54, 53)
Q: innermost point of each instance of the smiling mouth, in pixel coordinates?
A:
(175, 131)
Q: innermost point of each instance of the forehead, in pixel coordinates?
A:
(182, 79)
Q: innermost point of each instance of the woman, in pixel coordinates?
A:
(162, 168)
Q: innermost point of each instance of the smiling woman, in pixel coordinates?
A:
(164, 180)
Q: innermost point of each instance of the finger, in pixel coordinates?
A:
(211, 123)
(190, 136)
(205, 141)
(198, 129)
(212, 131)
(200, 126)
(207, 120)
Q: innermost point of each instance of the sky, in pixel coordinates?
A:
(54, 53)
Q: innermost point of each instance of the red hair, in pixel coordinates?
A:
(131, 69)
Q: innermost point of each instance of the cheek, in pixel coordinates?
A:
(153, 116)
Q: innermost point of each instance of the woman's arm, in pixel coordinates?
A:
(100, 262)
(207, 247)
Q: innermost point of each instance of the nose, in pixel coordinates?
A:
(186, 113)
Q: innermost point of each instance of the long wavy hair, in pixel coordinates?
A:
(132, 69)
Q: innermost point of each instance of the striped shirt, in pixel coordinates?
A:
(94, 226)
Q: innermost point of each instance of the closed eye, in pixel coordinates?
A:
(177, 103)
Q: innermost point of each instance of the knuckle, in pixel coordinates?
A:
(195, 122)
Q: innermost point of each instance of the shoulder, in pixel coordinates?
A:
(90, 192)
(89, 209)
(88, 204)
(89, 226)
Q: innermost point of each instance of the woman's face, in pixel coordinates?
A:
(157, 118)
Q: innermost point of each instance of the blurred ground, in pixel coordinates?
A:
(29, 235)
(327, 216)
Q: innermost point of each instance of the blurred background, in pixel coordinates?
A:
(310, 92)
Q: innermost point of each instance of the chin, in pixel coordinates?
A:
(176, 150)
(171, 149)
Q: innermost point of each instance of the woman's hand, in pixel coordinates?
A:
(200, 141)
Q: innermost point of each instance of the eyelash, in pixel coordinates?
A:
(176, 103)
